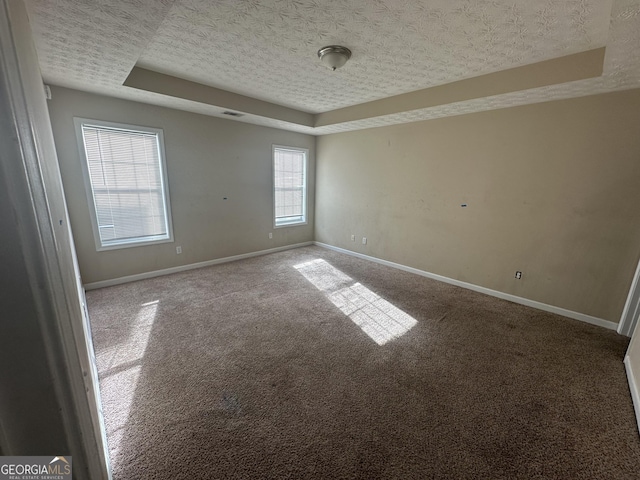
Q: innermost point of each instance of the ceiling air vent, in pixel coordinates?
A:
(232, 114)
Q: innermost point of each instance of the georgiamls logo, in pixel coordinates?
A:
(37, 468)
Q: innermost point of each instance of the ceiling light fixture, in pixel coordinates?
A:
(334, 56)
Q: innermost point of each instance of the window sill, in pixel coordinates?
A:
(134, 243)
(291, 224)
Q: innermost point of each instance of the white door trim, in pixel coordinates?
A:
(47, 244)
(631, 311)
(633, 388)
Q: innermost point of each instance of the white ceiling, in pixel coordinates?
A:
(267, 49)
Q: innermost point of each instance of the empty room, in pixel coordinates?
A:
(359, 239)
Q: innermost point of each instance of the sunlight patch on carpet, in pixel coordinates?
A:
(118, 384)
(378, 318)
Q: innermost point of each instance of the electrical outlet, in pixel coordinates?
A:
(178, 250)
(518, 275)
(353, 238)
(364, 240)
(270, 235)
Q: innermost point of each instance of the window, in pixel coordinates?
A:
(126, 183)
(290, 186)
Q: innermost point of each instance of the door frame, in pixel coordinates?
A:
(631, 311)
(47, 246)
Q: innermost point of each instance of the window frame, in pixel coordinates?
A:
(305, 169)
(88, 187)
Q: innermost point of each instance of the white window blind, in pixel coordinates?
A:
(290, 185)
(125, 170)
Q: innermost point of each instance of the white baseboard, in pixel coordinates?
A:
(505, 296)
(191, 266)
(494, 293)
(633, 387)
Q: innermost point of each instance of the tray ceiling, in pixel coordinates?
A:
(259, 57)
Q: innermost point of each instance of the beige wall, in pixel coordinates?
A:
(207, 159)
(552, 189)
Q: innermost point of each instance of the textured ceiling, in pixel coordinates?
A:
(267, 49)
(93, 43)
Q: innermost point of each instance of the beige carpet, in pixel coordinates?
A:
(313, 364)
